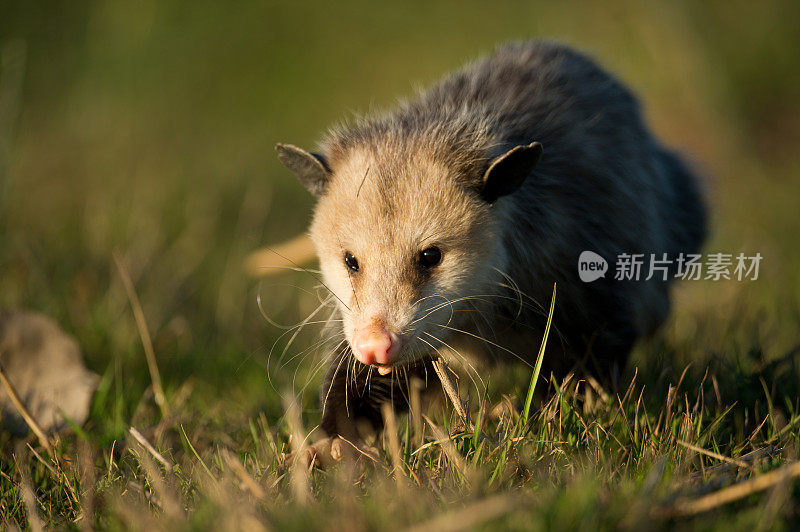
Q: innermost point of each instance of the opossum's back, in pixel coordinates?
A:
(533, 90)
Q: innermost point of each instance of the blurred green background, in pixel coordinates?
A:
(148, 128)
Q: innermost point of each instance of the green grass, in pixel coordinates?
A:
(585, 460)
(147, 130)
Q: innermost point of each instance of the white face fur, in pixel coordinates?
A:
(402, 244)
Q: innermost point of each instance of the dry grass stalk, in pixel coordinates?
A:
(271, 260)
(247, 481)
(716, 456)
(169, 501)
(149, 496)
(390, 432)
(299, 478)
(30, 502)
(415, 410)
(139, 437)
(451, 391)
(87, 485)
(470, 516)
(598, 388)
(738, 491)
(144, 334)
(34, 426)
(449, 449)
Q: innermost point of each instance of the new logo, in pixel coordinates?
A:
(591, 266)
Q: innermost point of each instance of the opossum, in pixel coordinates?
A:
(443, 225)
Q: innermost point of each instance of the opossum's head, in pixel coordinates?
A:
(406, 243)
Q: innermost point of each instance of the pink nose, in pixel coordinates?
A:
(375, 345)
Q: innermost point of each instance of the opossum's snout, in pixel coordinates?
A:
(374, 344)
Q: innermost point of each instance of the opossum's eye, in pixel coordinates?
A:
(429, 258)
(350, 261)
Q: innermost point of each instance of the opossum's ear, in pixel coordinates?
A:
(310, 168)
(507, 172)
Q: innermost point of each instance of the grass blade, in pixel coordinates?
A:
(538, 367)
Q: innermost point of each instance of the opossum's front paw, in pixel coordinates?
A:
(322, 453)
(329, 451)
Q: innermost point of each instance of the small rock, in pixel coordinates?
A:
(45, 367)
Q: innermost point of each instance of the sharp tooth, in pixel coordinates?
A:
(384, 370)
